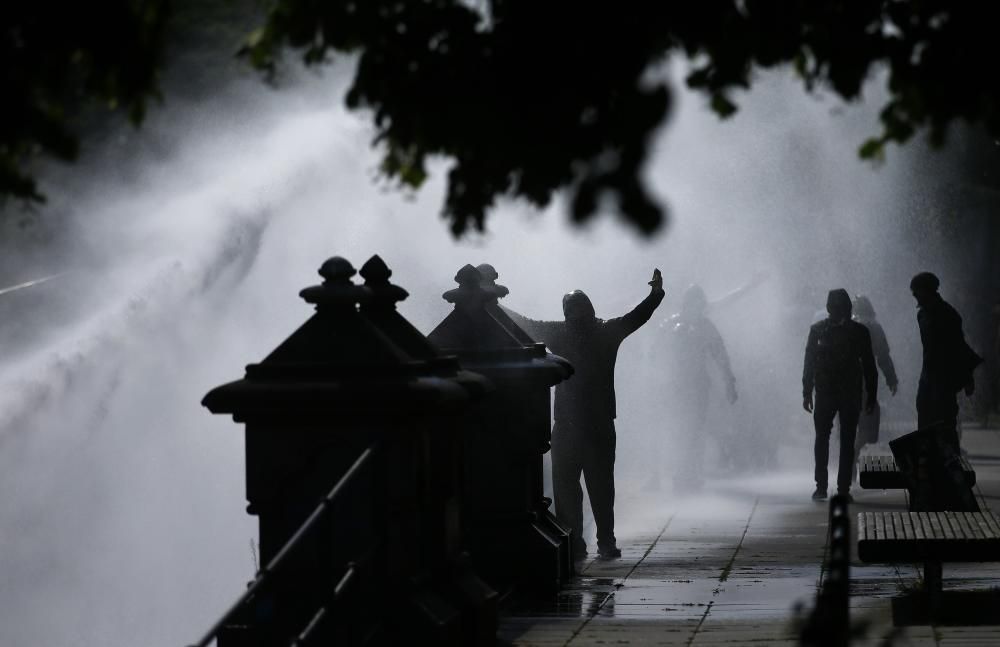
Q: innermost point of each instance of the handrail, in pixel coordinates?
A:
(303, 638)
(346, 580)
(289, 546)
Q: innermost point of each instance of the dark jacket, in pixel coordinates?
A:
(592, 349)
(839, 360)
(948, 360)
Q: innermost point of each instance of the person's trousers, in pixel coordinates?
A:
(937, 407)
(827, 407)
(589, 450)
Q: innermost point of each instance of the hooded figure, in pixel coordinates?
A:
(948, 362)
(583, 437)
(838, 363)
(868, 426)
(695, 343)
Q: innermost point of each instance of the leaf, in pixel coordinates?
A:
(722, 105)
(873, 149)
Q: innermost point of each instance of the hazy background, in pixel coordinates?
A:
(122, 515)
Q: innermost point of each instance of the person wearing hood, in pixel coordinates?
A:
(695, 343)
(838, 363)
(868, 425)
(583, 437)
(948, 362)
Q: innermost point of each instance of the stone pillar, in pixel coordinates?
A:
(515, 541)
(387, 561)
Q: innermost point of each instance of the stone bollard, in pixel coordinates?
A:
(515, 541)
(354, 470)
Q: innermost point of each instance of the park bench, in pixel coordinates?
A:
(928, 537)
(879, 472)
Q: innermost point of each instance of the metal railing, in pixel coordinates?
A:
(265, 574)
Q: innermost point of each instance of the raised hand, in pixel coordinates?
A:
(657, 282)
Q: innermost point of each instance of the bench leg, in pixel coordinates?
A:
(933, 587)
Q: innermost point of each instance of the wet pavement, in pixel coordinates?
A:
(730, 565)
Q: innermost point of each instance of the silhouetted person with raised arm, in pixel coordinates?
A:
(868, 425)
(583, 437)
(838, 363)
(948, 362)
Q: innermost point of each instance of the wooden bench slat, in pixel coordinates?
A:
(879, 527)
(904, 518)
(984, 526)
(967, 528)
(951, 526)
(941, 525)
(991, 520)
(971, 529)
(957, 526)
(918, 528)
(980, 528)
(934, 530)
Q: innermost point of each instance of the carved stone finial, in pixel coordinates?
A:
(375, 271)
(469, 292)
(337, 269)
(337, 289)
(376, 274)
(489, 281)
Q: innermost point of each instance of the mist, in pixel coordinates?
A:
(122, 516)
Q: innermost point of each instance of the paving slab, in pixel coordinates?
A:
(730, 566)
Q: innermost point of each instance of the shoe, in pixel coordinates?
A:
(609, 553)
(819, 494)
(579, 552)
(846, 495)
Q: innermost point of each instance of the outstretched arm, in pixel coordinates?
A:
(629, 323)
(735, 295)
(543, 331)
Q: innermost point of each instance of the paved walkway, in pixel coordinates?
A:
(728, 568)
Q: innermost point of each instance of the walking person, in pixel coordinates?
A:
(948, 362)
(838, 363)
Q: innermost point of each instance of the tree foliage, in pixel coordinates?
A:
(529, 97)
(59, 57)
(525, 98)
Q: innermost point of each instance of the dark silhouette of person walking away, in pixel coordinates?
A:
(583, 437)
(948, 362)
(838, 361)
